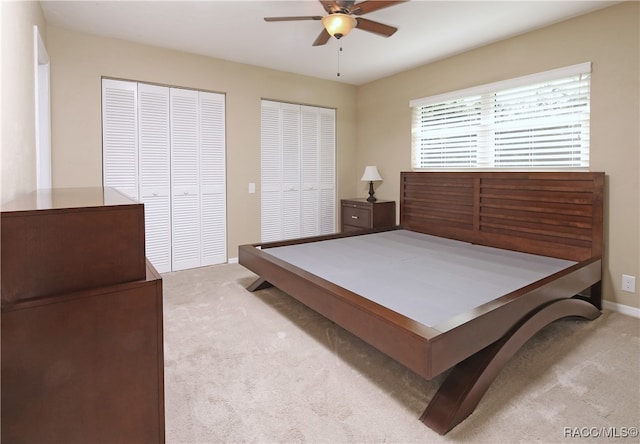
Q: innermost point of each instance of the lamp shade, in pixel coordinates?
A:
(370, 174)
(338, 25)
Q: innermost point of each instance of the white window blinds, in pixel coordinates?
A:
(537, 121)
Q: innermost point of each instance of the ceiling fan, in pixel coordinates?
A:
(339, 20)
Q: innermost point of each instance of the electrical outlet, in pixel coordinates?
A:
(628, 283)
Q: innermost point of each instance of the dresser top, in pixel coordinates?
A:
(64, 198)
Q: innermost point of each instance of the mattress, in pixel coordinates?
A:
(425, 278)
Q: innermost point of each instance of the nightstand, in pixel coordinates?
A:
(358, 214)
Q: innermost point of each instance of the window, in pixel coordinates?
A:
(539, 121)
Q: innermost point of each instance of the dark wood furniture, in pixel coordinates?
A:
(552, 214)
(82, 343)
(358, 214)
(46, 235)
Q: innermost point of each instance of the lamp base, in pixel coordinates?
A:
(371, 197)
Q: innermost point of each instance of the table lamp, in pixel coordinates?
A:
(371, 174)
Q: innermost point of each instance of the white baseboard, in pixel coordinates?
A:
(232, 260)
(624, 309)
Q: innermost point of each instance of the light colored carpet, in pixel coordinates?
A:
(262, 368)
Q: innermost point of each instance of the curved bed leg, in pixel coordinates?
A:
(468, 381)
(259, 284)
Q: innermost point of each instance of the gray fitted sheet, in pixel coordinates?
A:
(425, 278)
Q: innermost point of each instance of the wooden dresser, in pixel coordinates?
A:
(82, 344)
(358, 214)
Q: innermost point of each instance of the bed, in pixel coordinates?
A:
(480, 262)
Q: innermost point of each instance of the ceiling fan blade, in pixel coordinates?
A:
(375, 27)
(288, 19)
(372, 5)
(322, 38)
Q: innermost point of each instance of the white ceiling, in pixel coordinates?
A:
(236, 31)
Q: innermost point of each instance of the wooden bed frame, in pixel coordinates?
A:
(552, 214)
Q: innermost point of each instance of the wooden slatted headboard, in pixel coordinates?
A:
(552, 214)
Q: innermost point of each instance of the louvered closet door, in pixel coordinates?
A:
(310, 170)
(120, 136)
(327, 171)
(291, 194)
(298, 171)
(155, 174)
(212, 179)
(185, 179)
(166, 148)
(270, 172)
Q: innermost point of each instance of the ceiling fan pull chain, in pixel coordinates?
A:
(339, 51)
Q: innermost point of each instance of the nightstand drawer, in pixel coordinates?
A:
(359, 214)
(358, 217)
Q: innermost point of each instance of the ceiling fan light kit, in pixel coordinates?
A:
(338, 25)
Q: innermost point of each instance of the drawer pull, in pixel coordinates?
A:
(354, 217)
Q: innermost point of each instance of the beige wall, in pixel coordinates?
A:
(78, 61)
(17, 133)
(610, 39)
